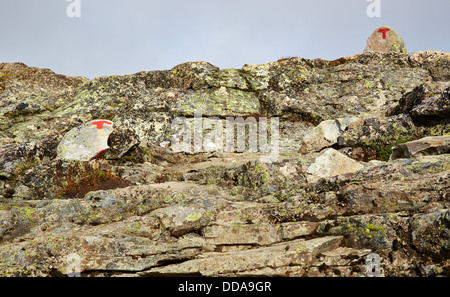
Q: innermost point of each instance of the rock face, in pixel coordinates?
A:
(384, 40)
(363, 168)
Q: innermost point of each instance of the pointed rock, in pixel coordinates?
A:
(384, 40)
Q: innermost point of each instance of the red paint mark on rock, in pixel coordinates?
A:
(384, 32)
(100, 153)
(101, 123)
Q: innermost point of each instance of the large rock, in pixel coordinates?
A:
(15, 158)
(429, 101)
(384, 40)
(325, 134)
(85, 142)
(433, 145)
(331, 163)
(13, 155)
(122, 141)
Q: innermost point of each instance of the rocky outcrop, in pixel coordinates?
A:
(363, 168)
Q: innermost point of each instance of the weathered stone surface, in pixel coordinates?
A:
(325, 134)
(377, 136)
(16, 157)
(143, 209)
(221, 102)
(85, 142)
(436, 106)
(431, 233)
(432, 145)
(342, 261)
(429, 101)
(43, 83)
(251, 262)
(122, 141)
(384, 40)
(331, 163)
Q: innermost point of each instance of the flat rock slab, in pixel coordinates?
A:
(432, 145)
(249, 262)
(384, 40)
(85, 142)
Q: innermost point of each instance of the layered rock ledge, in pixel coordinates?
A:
(364, 167)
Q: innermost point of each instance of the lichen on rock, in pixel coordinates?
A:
(363, 168)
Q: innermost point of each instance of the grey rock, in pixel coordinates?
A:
(325, 134)
(229, 214)
(331, 163)
(85, 142)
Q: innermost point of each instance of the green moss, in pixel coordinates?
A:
(365, 231)
(301, 249)
(258, 168)
(23, 212)
(375, 228)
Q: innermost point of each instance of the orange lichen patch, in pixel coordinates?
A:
(337, 62)
(81, 178)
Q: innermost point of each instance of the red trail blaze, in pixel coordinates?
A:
(384, 32)
(100, 153)
(101, 123)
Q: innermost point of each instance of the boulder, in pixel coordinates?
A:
(384, 40)
(122, 141)
(429, 101)
(12, 155)
(432, 145)
(377, 135)
(85, 142)
(17, 157)
(325, 134)
(331, 163)
(435, 106)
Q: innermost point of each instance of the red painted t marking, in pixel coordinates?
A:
(101, 123)
(384, 32)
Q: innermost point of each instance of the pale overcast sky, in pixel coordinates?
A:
(128, 36)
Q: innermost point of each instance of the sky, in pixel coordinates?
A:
(118, 37)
